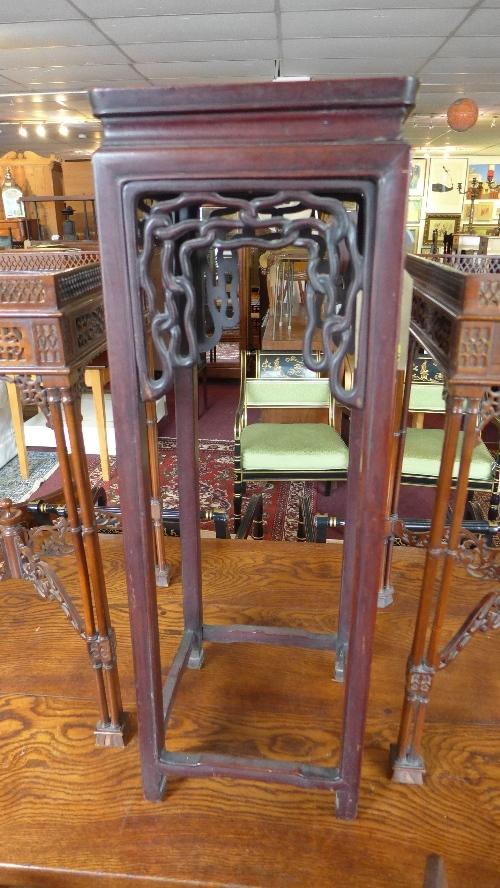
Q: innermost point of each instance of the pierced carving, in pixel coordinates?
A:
(47, 343)
(489, 291)
(52, 539)
(490, 406)
(80, 282)
(46, 582)
(55, 260)
(19, 292)
(474, 346)
(102, 650)
(419, 683)
(89, 326)
(11, 347)
(484, 617)
(479, 559)
(31, 391)
(180, 330)
(432, 321)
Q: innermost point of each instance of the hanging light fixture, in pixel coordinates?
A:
(23, 131)
(41, 130)
(462, 115)
(63, 130)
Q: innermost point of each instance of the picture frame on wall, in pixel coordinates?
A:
(411, 242)
(445, 175)
(414, 210)
(445, 223)
(418, 167)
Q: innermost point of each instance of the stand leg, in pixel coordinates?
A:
(163, 569)
(407, 760)
(186, 412)
(102, 646)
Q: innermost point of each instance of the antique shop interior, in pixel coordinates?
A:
(249, 443)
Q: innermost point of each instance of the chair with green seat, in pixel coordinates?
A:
(285, 451)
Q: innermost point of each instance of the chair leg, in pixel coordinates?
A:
(327, 489)
(417, 420)
(258, 521)
(96, 378)
(301, 530)
(16, 410)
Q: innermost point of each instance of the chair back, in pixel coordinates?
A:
(427, 392)
(282, 380)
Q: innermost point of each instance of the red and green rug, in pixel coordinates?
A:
(281, 499)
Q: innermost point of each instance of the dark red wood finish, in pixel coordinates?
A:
(250, 139)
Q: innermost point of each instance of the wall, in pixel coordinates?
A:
(435, 200)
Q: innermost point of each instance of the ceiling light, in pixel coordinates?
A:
(82, 135)
(41, 131)
(23, 131)
(60, 99)
(63, 130)
(493, 122)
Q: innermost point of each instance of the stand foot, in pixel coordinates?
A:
(196, 658)
(346, 804)
(154, 790)
(340, 663)
(111, 735)
(385, 597)
(163, 575)
(405, 769)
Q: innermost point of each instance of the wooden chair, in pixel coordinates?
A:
(96, 377)
(284, 451)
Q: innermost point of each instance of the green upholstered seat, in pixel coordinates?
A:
(287, 392)
(427, 397)
(422, 456)
(292, 447)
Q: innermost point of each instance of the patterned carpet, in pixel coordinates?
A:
(42, 464)
(216, 486)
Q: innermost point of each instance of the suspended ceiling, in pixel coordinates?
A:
(66, 46)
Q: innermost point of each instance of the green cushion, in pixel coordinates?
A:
(287, 392)
(427, 397)
(422, 456)
(292, 447)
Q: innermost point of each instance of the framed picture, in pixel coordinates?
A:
(411, 241)
(418, 166)
(488, 175)
(414, 210)
(445, 175)
(445, 223)
(483, 211)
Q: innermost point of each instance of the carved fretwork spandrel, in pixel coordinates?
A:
(184, 327)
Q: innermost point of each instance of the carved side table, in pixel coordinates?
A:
(456, 317)
(51, 325)
(251, 151)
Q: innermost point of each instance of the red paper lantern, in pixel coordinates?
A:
(462, 114)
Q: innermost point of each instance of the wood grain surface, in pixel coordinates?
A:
(73, 815)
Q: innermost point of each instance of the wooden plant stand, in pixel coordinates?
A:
(250, 151)
(456, 317)
(51, 325)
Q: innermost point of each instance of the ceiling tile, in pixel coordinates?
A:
(359, 47)
(28, 11)
(42, 56)
(372, 23)
(313, 5)
(54, 33)
(469, 47)
(216, 68)
(462, 65)
(128, 8)
(473, 81)
(347, 67)
(71, 72)
(198, 50)
(169, 28)
(483, 23)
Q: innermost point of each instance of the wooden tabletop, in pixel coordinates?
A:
(73, 815)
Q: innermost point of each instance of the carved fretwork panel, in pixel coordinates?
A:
(47, 343)
(195, 306)
(26, 292)
(89, 327)
(474, 346)
(12, 345)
